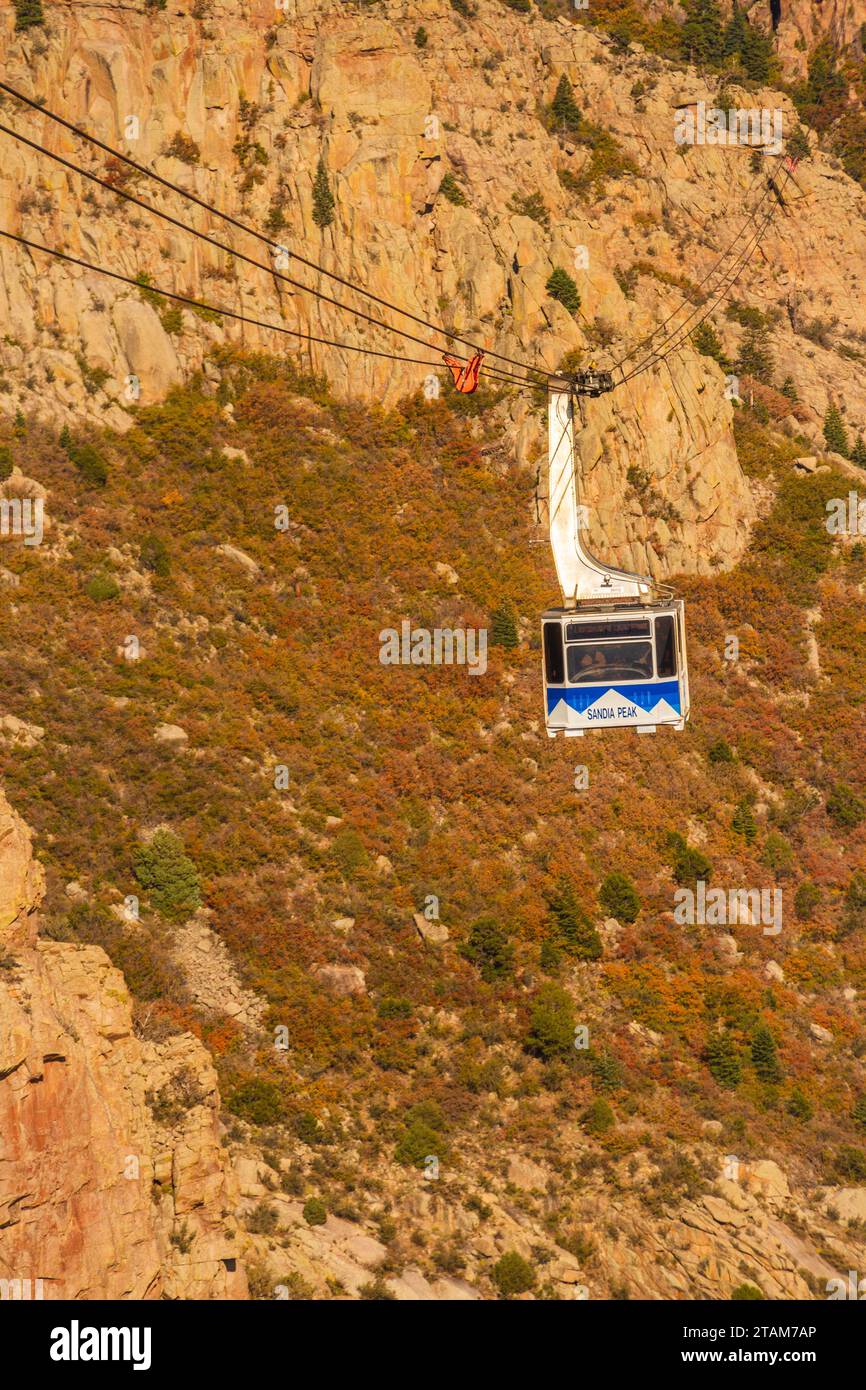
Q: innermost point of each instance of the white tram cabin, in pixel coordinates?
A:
(620, 667)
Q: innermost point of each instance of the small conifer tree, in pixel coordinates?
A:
(323, 198)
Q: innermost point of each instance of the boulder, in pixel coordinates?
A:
(341, 980)
(436, 933)
(170, 733)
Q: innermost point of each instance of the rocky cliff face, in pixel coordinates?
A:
(111, 1174)
(800, 24)
(263, 94)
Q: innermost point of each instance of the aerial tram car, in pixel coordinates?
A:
(614, 652)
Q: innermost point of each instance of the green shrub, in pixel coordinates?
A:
(421, 37)
(755, 357)
(450, 189)
(562, 288)
(28, 13)
(488, 948)
(549, 958)
(845, 807)
(551, 1024)
(394, 1008)
(702, 36)
(858, 1111)
(349, 852)
(101, 588)
(154, 556)
(689, 864)
(607, 1071)
(799, 1106)
(598, 1117)
(854, 916)
(512, 1274)
(171, 318)
(6, 462)
(87, 459)
(778, 854)
(746, 1293)
(315, 1212)
(720, 752)
(806, 899)
(707, 341)
(377, 1291)
(168, 875)
(850, 1164)
(531, 205)
(263, 1220)
(422, 1137)
(258, 1101)
(619, 897)
(184, 148)
(307, 1128)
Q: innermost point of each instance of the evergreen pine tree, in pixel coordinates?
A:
(702, 35)
(168, 875)
(798, 143)
(858, 1113)
(570, 928)
(723, 1060)
(560, 286)
(827, 88)
(789, 389)
(323, 198)
(744, 822)
(732, 42)
(708, 342)
(756, 50)
(834, 431)
(756, 358)
(764, 1056)
(564, 108)
(503, 627)
(858, 453)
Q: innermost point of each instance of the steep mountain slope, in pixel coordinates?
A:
(320, 798)
(238, 803)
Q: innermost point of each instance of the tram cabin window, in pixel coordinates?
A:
(590, 662)
(554, 661)
(666, 652)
